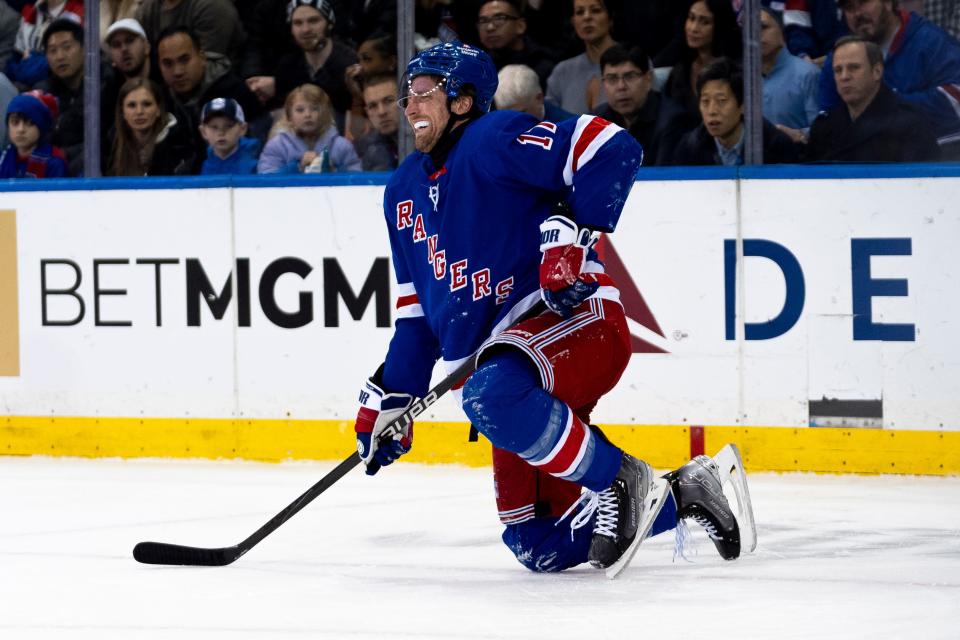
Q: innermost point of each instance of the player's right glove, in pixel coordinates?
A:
(563, 285)
(377, 446)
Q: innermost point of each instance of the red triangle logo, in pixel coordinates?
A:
(634, 306)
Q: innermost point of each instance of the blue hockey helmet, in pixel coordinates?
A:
(459, 65)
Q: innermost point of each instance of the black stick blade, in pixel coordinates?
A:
(175, 554)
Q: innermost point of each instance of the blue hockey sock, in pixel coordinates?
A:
(505, 402)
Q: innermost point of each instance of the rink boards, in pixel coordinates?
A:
(808, 314)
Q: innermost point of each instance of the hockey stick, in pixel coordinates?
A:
(165, 553)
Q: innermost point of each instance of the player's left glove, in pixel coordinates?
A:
(377, 446)
(563, 285)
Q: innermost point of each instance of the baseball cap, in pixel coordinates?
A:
(227, 107)
(127, 24)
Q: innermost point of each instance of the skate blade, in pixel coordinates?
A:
(732, 473)
(652, 504)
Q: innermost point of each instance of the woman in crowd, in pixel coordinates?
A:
(308, 141)
(377, 55)
(148, 141)
(710, 31)
(570, 82)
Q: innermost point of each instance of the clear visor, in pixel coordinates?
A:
(407, 92)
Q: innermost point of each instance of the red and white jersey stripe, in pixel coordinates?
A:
(408, 303)
(591, 133)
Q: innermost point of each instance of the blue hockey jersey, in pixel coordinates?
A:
(465, 237)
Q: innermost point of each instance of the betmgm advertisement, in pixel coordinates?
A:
(805, 304)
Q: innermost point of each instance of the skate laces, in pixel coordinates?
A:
(684, 545)
(604, 504)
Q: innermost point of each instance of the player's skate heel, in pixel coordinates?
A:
(625, 513)
(699, 495)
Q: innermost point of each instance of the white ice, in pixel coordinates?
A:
(415, 553)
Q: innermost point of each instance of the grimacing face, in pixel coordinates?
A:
(427, 111)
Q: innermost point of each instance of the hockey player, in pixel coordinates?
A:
(478, 241)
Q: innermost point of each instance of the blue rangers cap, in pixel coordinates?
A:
(459, 65)
(227, 107)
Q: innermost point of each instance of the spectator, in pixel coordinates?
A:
(27, 67)
(710, 31)
(308, 140)
(377, 55)
(568, 83)
(113, 11)
(811, 27)
(519, 90)
(29, 154)
(719, 139)
(63, 44)
(129, 48)
(194, 77)
(921, 63)
(223, 127)
(268, 40)
(790, 84)
(872, 124)
(655, 121)
(502, 29)
(321, 59)
(215, 23)
(378, 149)
(9, 25)
(148, 141)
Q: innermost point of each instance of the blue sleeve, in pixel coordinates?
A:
(273, 160)
(343, 155)
(56, 168)
(414, 349)
(811, 104)
(591, 161)
(936, 66)
(829, 98)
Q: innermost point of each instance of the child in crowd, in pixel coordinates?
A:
(224, 128)
(30, 117)
(308, 141)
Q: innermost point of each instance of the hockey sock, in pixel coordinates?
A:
(505, 402)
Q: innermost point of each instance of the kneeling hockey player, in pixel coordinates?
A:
(478, 240)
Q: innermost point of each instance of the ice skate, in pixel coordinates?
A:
(698, 491)
(625, 513)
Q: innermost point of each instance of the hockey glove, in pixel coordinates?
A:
(563, 285)
(377, 445)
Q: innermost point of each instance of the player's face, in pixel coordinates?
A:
(771, 37)
(128, 51)
(23, 133)
(868, 19)
(719, 108)
(380, 101)
(64, 55)
(591, 21)
(181, 65)
(698, 28)
(857, 81)
(426, 111)
(627, 87)
(500, 26)
(140, 110)
(309, 28)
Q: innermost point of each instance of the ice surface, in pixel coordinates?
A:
(415, 553)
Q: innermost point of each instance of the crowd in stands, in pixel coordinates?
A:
(305, 86)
